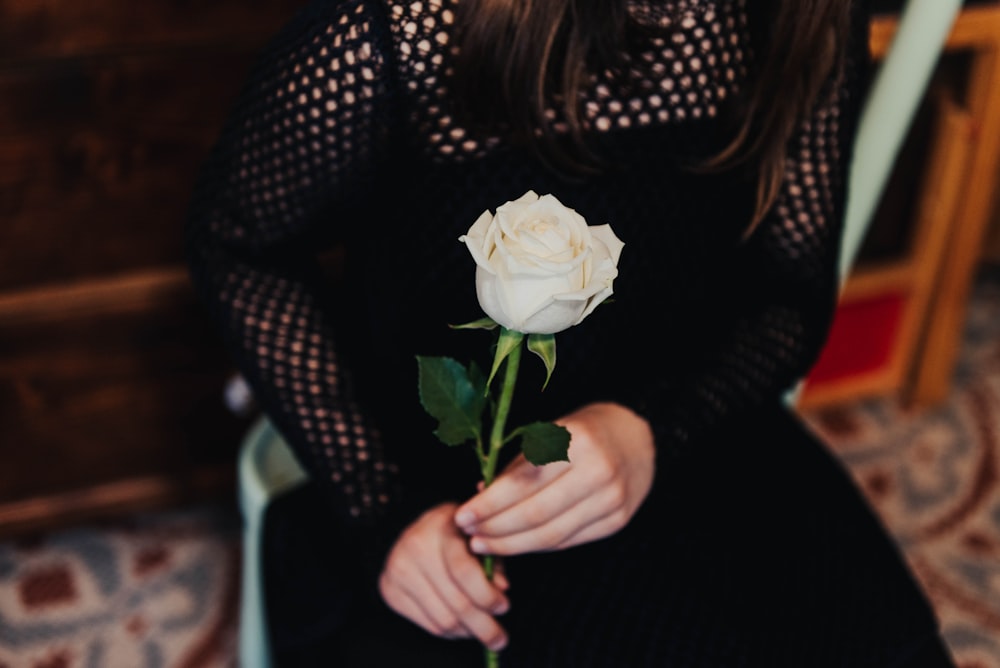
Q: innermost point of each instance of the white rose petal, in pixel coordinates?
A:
(475, 240)
(610, 241)
(540, 268)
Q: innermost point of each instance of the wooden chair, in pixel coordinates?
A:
(267, 469)
(266, 465)
(902, 310)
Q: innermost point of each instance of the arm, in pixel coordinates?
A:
(291, 164)
(787, 287)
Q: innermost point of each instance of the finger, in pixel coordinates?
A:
(467, 574)
(412, 609)
(475, 621)
(500, 575)
(602, 528)
(519, 480)
(415, 603)
(542, 507)
(552, 535)
(436, 608)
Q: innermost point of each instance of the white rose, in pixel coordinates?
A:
(540, 268)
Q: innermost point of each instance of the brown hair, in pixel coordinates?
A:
(516, 57)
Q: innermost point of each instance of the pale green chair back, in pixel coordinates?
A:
(267, 467)
(892, 103)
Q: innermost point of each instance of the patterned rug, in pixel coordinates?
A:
(934, 478)
(162, 591)
(154, 592)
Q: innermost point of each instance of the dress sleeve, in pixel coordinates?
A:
(292, 164)
(785, 297)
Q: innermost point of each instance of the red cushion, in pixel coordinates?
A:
(862, 339)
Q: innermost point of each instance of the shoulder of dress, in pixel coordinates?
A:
(349, 20)
(344, 9)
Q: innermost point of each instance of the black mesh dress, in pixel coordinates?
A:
(753, 548)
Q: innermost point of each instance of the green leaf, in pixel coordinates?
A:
(449, 394)
(482, 323)
(544, 442)
(544, 345)
(478, 380)
(509, 339)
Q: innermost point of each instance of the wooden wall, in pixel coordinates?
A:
(110, 378)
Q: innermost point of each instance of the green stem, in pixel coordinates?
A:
(489, 464)
(492, 658)
(513, 361)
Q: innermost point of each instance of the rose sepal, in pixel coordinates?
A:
(544, 345)
(508, 340)
(482, 323)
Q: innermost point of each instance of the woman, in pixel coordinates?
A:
(698, 523)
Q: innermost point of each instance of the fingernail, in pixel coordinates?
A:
(501, 607)
(465, 519)
(477, 546)
(498, 644)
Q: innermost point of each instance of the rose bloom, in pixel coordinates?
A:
(540, 268)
